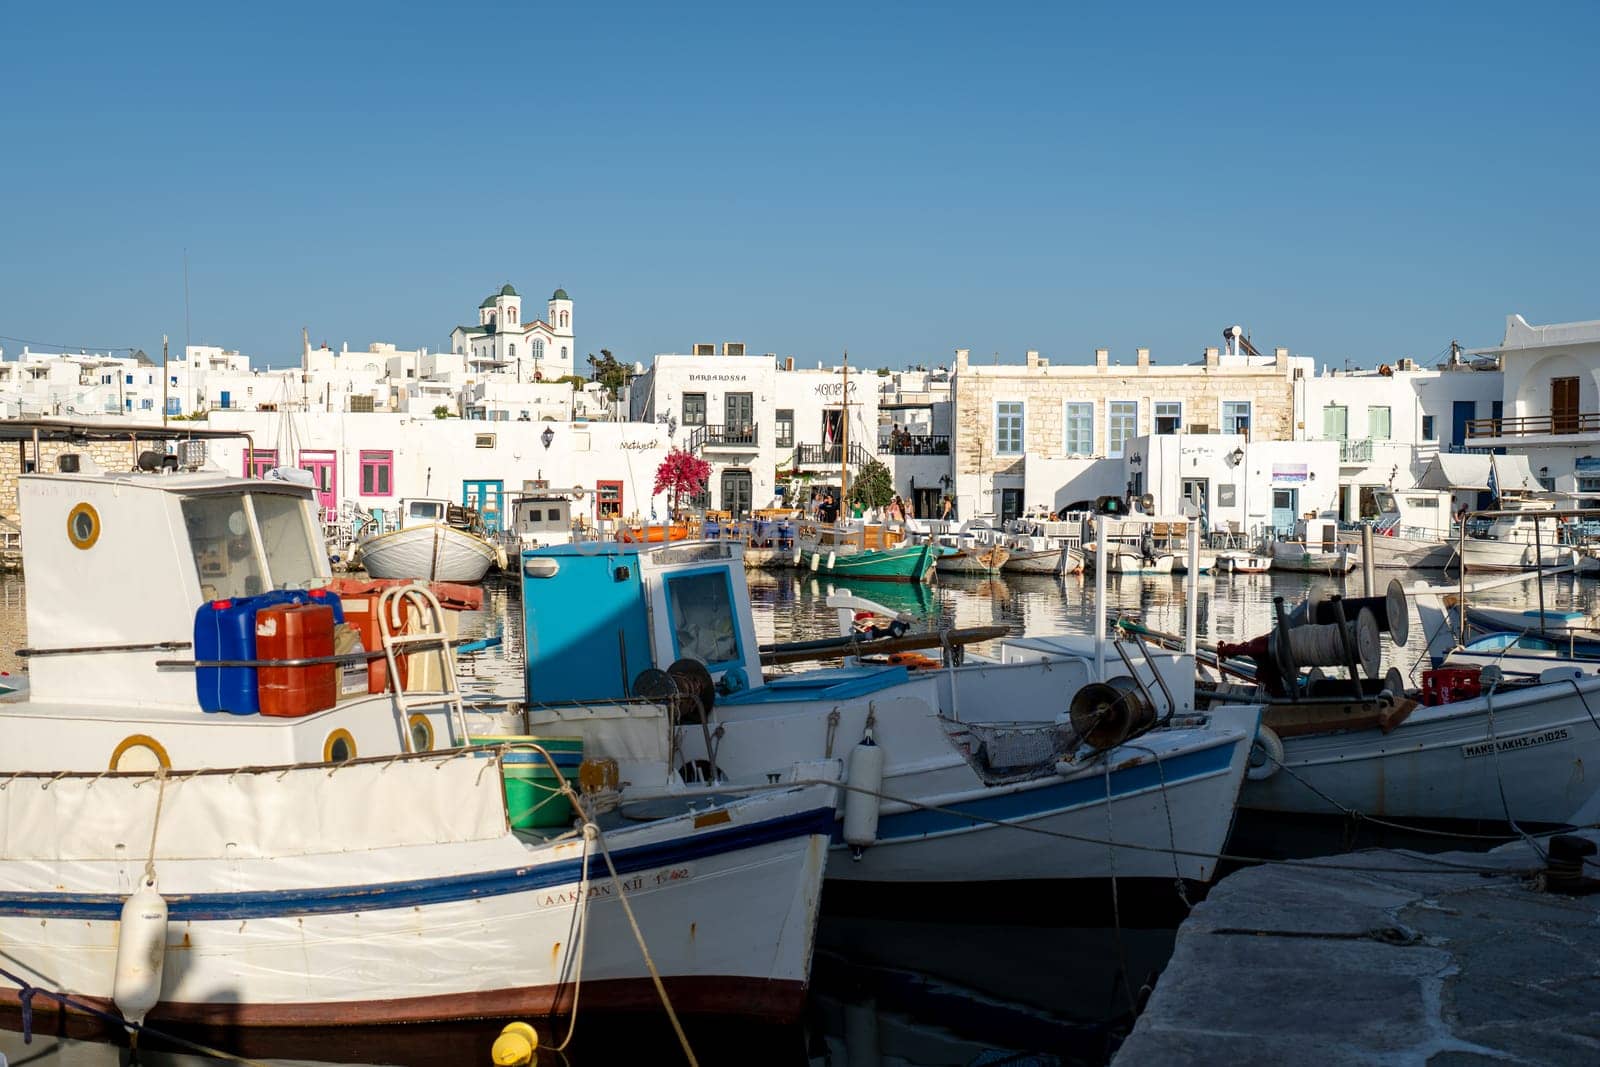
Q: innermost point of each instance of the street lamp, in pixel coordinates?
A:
(548, 436)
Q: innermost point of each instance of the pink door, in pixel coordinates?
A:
(324, 466)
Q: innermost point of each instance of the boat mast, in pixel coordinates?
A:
(844, 447)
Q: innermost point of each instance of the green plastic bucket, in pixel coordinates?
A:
(534, 800)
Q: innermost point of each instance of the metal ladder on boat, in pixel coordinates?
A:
(1155, 679)
(427, 629)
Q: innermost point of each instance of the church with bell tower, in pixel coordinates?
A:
(506, 344)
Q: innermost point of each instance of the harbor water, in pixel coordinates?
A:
(977, 975)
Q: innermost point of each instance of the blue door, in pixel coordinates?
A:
(1285, 508)
(227, 399)
(1461, 413)
(486, 497)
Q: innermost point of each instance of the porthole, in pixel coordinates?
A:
(340, 747)
(83, 526)
(421, 733)
(139, 752)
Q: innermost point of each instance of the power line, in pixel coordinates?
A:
(80, 347)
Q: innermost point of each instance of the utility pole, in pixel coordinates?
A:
(164, 380)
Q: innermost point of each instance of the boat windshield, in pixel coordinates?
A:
(424, 511)
(703, 624)
(244, 544)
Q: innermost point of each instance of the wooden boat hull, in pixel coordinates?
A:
(435, 552)
(1031, 561)
(970, 561)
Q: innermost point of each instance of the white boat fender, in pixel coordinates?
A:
(832, 556)
(1266, 754)
(141, 952)
(864, 777)
(816, 558)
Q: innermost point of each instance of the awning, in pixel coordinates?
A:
(1451, 470)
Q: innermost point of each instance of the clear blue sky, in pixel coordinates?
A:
(1351, 181)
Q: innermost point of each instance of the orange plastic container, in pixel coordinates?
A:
(361, 611)
(296, 631)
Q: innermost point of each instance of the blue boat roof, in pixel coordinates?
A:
(829, 683)
(588, 548)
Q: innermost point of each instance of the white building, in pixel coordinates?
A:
(505, 342)
(1549, 407)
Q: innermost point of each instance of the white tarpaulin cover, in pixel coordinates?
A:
(254, 814)
(1457, 471)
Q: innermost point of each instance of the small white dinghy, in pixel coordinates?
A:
(436, 542)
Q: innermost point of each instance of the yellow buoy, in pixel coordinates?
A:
(515, 1046)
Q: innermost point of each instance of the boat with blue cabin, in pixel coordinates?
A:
(944, 756)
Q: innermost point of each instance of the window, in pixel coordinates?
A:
(1335, 422)
(1236, 416)
(174, 380)
(694, 409)
(286, 539)
(702, 619)
(1122, 423)
(785, 420)
(1427, 428)
(1378, 423)
(608, 500)
(538, 348)
(1079, 435)
(130, 379)
(147, 404)
(259, 461)
(511, 350)
(377, 473)
(563, 349)
(1008, 428)
(483, 440)
(1169, 416)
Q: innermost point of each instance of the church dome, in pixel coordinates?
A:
(507, 290)
(488, 301)
(560, 294)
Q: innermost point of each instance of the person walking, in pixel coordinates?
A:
(949, 512)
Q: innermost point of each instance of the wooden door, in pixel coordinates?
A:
(1564, 404)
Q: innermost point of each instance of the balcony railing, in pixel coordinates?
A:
(1528, 425)
(829, 455)
(718, 436)
(916, 444)
(1355, 451)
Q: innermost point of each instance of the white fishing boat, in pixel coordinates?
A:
(1474, 743)
(947, 755)
(536, 517)
(436, 542)
(1411, 531)
(1042, 546)
(1314, 548)
(1522, 536)
(1237, 562)
(206, 817)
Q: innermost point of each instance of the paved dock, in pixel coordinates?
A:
(1328, 966)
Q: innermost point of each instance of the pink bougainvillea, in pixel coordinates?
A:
(681, 474)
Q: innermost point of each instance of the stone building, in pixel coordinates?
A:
(1006, 413)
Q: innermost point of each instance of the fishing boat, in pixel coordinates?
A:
(1472, 743)
(948, 751)
(1242, 563)
(436, 542)
(1522, 535)
(211, 818)
(1042, 546)
(1411, 531)
(905, 563)
(1314, 548)
(975, 548)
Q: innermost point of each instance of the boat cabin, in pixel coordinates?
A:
(419, 512)
(642, 607)
(129, 575)
(542, 519)
(1419, 513)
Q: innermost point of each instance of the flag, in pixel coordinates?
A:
(1494, 482)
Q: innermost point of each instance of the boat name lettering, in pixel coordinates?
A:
(1512, 744)
(672, 874)
(719, 377)
(832, 388)
(570, 896)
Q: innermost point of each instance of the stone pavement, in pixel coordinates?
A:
(1318, 966)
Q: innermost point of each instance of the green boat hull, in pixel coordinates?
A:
(913, 563)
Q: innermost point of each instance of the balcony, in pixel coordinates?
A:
(828, 455)
(1353, 453)
(1535, 425)
(914, 444)
(719, 436)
